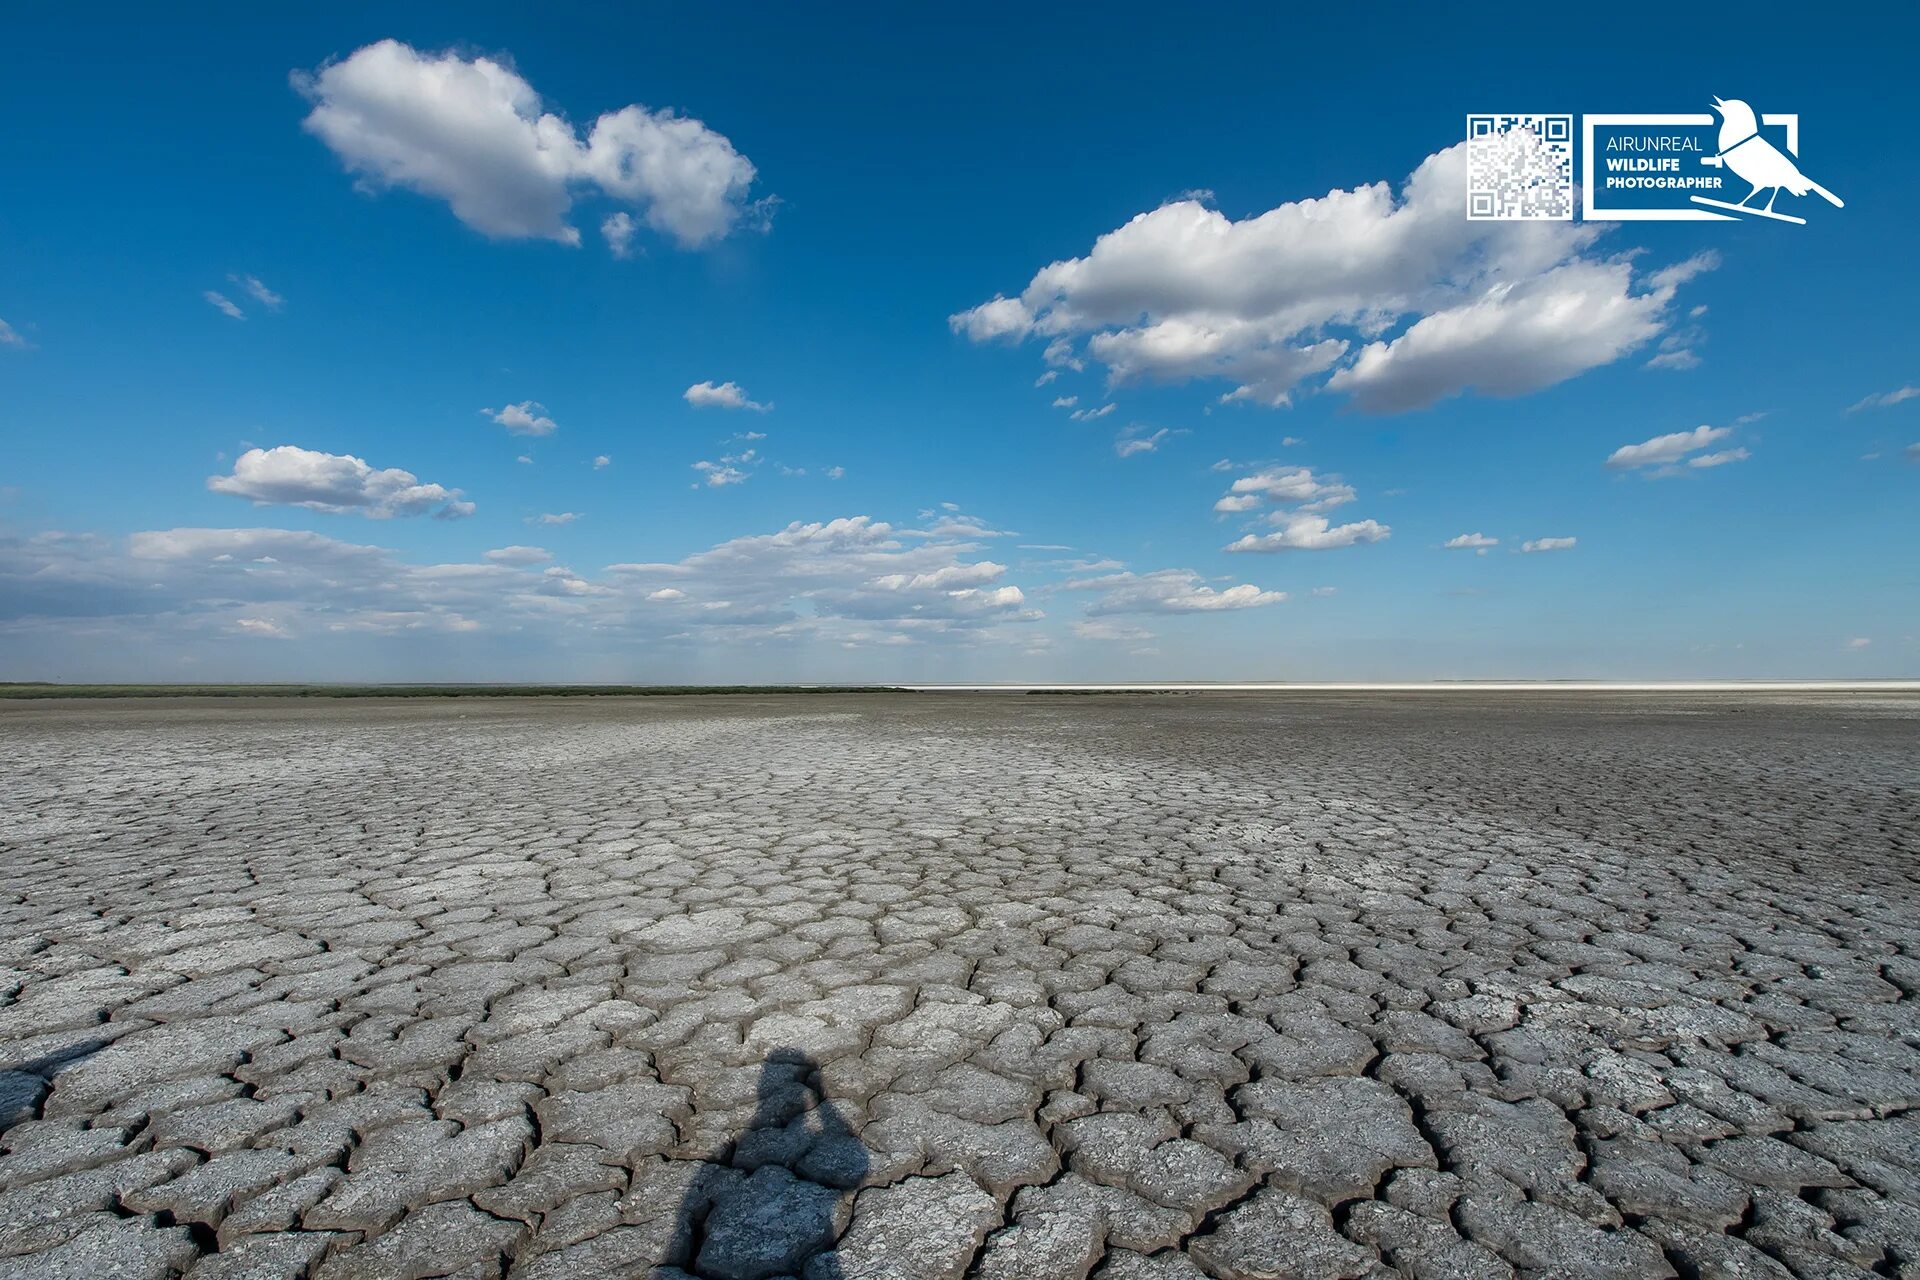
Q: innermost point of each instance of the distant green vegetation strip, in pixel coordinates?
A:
(9, 690)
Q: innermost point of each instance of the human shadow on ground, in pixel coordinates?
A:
(775, 1200)
(24, 1085)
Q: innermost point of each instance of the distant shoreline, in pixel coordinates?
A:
(27, 690)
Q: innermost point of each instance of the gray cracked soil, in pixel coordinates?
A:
(931, 986)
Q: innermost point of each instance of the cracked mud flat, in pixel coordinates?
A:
(962, 985)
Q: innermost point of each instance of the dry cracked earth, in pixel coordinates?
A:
(939, 986)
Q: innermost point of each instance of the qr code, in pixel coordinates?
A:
(1520, 168)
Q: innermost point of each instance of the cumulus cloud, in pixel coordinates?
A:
(554, 518)
(1668, 454)
(1885, 399)
(854, 581)
(1294, 498)
(1167, 591)
(223, 304)
(601, 462)
(1294, 484)
(1403, 299)
(528, 418)
(473, 132)
(722, 473)
(726, 395)
(1475, 542)
(338, 483)
(1303, 532)
(1533, 546)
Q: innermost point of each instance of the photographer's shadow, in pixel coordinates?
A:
(777, 1200)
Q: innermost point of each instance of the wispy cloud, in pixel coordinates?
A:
(1885, 399)
(259, 291)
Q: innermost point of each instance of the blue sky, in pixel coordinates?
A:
(811, 231)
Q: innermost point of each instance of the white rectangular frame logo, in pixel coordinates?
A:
(1588, 213)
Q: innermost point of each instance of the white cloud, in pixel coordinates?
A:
(1534, 545)
(619, 230)
(601, 462)
(1184, 292)
(259, 291)
(1167, 591)
(1100, 629)
(528, 418)
(1885, 399)
(265, 627)
(1298, 496)
(1302, 532)
(1511, 340)
(10, 337)
(474, 133)
(518, 555)
(223, 304)
(999, 318)
(726, 395)
(1046, 377)
(1088, 415)
(1859, 642)
(1475, 542)
(1666, 452)
(554, 518)
(1294, 484)
(1126, 446)
(947, 576)
(333, 482)
(834, 473)
(1680, 358)
(854, 581)
(1065, 402)
(722, 473)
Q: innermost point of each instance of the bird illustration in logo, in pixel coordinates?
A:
(1753, 158)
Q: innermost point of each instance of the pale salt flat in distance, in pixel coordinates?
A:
(1447, 686)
